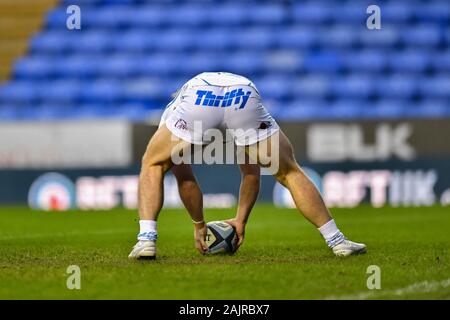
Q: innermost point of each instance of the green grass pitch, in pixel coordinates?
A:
(283, 256)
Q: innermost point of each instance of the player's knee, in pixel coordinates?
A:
(148, 160)
(152, 162)
(250, 170)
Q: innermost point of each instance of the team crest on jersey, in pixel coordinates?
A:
(181, 124)
(231, 98)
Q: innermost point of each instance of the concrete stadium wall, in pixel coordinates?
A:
(399, 163)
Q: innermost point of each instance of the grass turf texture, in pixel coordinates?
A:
(283, 256)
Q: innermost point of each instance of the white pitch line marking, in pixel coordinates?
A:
(419, 287)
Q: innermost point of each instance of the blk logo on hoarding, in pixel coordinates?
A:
(332, 142)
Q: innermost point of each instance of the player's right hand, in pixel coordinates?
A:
(240, 230)
(200, 237)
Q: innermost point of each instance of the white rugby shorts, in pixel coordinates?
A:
(223, 101)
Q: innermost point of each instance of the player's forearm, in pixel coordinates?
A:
(189, 190)
(248, 194)
(192, 199)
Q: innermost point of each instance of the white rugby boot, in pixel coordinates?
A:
(145, 248)
(347, 248)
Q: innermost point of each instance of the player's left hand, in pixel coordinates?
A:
(200, 237)
(240, 230)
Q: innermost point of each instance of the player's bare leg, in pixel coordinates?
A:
(306, 197)
(155, 163)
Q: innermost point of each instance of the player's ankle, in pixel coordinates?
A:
(147, 230)
(147, 236)
(332, 235)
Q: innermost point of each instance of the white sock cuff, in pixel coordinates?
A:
(331, 234)
(329, 229)
(147, 225)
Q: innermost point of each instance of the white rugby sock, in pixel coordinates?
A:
(147, 225)
(147, 230)
(331, 233)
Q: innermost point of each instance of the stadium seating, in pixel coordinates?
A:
(310, 59)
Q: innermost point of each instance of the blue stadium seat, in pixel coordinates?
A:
(352, 12)
(138, 40)
(422, 35)
(67, 91)
(160, 64)
(312, 86)
(397, 86)
(92, 42)
(341, 36)
(19, 92)
(119, 66)
(174, 39)
(431, 108)
(302, 109)
(9, 113)
(214, 39)
(387, 109)
(327, 61)
(257, 38)
(150, 16)
(297, 38)
(229, 15)
(244, 62)
(437, 86)
(203, 62)
(274, 87)
(34, 67)
(77, 66)
(315, 13)
(101, 91)
(433, 11)
(397, 12)
(346, 108)
(288, 61)
(441, 61)
(354, 86)
(365, 60)
(94, 2)
(56, 19)
(387, 36)
(109, 17)
(145, 89)
(409, 60)
(192, 15)
(54, 42)
(267, 14)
